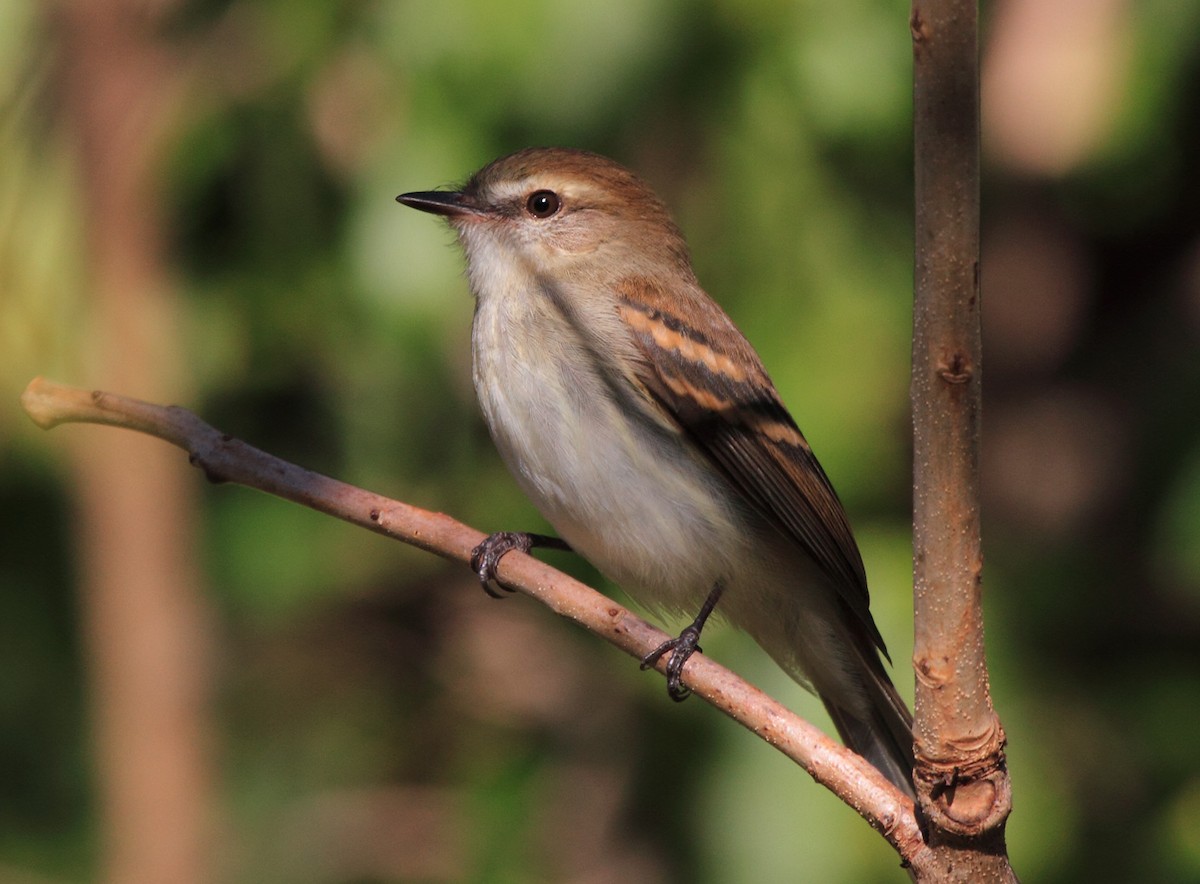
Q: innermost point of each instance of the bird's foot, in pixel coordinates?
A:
(485, 558)
(681, 648)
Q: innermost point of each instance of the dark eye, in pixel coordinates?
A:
(542, 203)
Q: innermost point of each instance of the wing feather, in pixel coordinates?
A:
(708, 380)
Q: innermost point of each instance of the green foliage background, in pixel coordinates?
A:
(328, 325)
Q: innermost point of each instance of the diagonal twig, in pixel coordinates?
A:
(226, 459)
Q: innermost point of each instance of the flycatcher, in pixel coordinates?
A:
(644, 427)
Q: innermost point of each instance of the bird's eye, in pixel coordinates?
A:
(542, 203)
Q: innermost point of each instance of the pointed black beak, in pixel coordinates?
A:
(440, 202)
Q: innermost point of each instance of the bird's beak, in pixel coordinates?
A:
(450, 203)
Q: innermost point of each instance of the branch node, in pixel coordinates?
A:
(955, 368)
(920, 33)
(211, 475)
(933, 674)
(970, 808)
(966, 798)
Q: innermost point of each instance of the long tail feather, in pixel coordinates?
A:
(884, 738)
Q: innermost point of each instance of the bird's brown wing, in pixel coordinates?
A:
(708, 380)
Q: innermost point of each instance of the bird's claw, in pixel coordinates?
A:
(681, 648)
(485, 558)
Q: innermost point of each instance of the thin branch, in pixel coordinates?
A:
(226, 459)
(962, 783)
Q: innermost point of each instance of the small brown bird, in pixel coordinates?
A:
(643, 426)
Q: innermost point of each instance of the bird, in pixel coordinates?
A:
(644, 427)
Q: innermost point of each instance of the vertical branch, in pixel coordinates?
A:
(143, 614)
(963, 787)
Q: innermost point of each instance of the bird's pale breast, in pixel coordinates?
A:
(625, 493)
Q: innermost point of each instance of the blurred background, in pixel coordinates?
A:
(202, 683)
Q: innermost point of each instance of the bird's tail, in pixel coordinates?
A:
(884, 736)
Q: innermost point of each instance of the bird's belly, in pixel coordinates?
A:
(625, 494)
